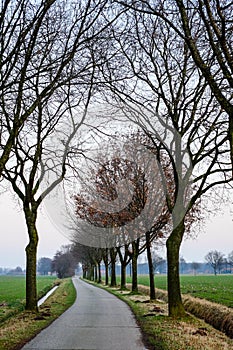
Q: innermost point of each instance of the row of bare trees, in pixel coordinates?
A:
(49, 54)
(92, 258)
(163, 66)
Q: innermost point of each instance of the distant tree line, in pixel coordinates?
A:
(16, 271)
(95, 262)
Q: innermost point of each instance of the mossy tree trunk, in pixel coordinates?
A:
(95, 272)
(106, 273)
(175, 305)
(30, 213)
(135, 253)
(99, 273)
(113, 254)
(231, 138)
(151, 267)
(105, 259)
(123, 276)
(124, 255)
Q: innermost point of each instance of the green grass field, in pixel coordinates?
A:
(12, 292)
(218, 288)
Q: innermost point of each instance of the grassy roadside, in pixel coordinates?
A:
(218, 289)
(17, 330)
(12, 295)
(164, 333)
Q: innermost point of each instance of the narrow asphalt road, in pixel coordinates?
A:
(97, 320)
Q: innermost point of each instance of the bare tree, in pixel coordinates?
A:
(210, 41)
(90, 258)
(50, 54)
(21, 42)
(230, 259)
(106, 179)
(157, 261)
(124, 256)
(63, 262)
(168, 98)
(215, 259)
(206, 28)
(44, 265)
(195, 266)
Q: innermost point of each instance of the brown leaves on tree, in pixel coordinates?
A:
(108, 176)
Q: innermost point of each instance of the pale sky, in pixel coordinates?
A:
(217, 234)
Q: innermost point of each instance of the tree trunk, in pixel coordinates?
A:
(175, 305)
(231, 138)
(151, 267)
(96, 273)
(123, 256)
(84, 272)
(105, 258)
(135, 246)
(31, 254)
(106, 273)
(90, 273)
(99, 273)
(123, 276)
(113, 267)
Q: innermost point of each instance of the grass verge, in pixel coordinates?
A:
(18, 330)
(218, 289)
(165, 333)
(12, 293)
(217, 315)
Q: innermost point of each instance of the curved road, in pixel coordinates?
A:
(96, 321)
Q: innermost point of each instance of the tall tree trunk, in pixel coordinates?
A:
(113, 267)
(175, 305)
(84, 271)
(90, 273)
(31, 255)
(231, 138)
(135, 246)
(123, 276)
(96, 272)
(151, 267)
(105, 258)
(106, 273)
(99, 273)
(124, 259)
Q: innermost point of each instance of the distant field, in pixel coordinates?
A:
(218, 288)
(12, 292)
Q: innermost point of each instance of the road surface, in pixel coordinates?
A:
(97, 320)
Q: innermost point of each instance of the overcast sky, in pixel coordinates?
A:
(217, 234)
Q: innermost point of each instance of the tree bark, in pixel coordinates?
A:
(106, 273)
(175, 305)
(151, 267)
(123, 276)
(31, 254)
(84, 272)
(96, 273)
(124, 259)
(99, 273)
(113, 267)
(135, 246)
(231, 138)
(105, 259)
(90, 273)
